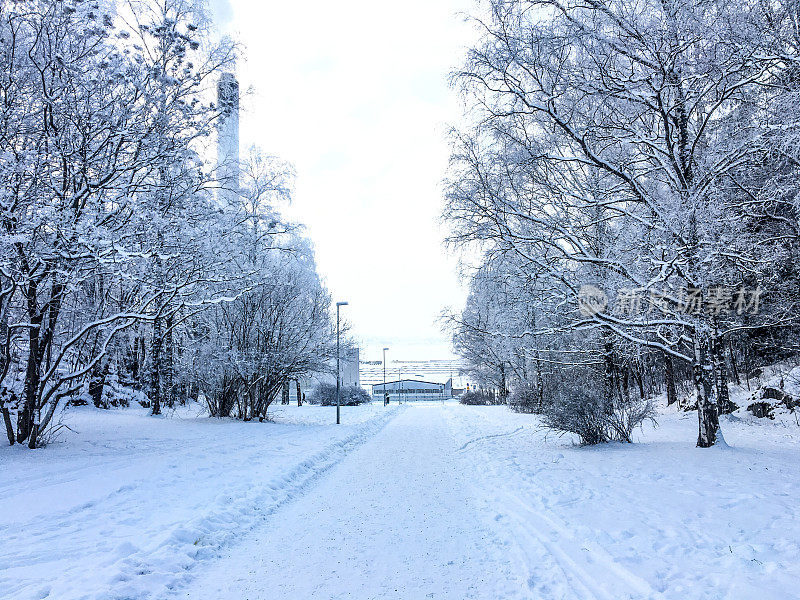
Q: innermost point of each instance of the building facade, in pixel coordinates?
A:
(410, 389)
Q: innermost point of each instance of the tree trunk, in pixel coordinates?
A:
(155, 368)
(625, 384)
(539, 383)
(247, 407)
(724, 404)
(503, 387)
(299, 394)
(709, 432)
(142, 350)
(97, 382)
(167, 363)
(9, 425)
(608, 367)
(734, 366)
(747, 366)
(134, 358)
(669, 376)
(637, 374)
(39, 344)
(33, 440)
(30, 388)
(285, 393)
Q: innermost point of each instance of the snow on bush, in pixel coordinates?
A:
(325, 394)
(479, 397)
(583, 409)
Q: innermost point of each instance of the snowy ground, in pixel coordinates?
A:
(418, 501)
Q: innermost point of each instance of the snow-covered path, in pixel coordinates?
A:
(129, 505)
(419, 501)
(456, 502)
(397, 519)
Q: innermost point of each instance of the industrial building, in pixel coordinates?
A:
(413, 389)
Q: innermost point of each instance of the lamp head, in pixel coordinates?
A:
(341, 304)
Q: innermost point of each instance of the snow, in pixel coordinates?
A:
(127, 505)
(782, 376)
(417, 501)
(656, 519)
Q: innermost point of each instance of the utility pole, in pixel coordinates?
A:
(385, 396)
(338, 376)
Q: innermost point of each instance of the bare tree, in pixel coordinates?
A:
(601, 122)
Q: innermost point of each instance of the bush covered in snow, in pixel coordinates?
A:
(582, 408)
(325, 394)
(525, 399)
(480, 398)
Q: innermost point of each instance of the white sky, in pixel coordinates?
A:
(355, 94)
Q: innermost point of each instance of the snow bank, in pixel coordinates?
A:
(127, 505)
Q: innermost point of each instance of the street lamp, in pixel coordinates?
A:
(400, 377)
(338, 378)
(400, 385)
(384, 376)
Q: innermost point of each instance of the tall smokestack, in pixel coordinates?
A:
(228, 138)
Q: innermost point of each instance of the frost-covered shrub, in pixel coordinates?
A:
(627, 414)
(581, 408)
(576, 410)
(221, 395)
(525, 399)
(477, 398)
(325, 394)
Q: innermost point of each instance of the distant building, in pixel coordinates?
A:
(411, 389)
(439, 370)
(450, 391)
(348, 369)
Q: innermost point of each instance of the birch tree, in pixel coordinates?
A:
(607, 122)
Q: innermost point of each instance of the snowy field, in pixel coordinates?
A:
(417, 501)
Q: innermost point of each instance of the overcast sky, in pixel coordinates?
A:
(355, 94)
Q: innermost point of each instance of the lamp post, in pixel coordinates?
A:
(338, 377)
(400, 385)
(384, 376)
